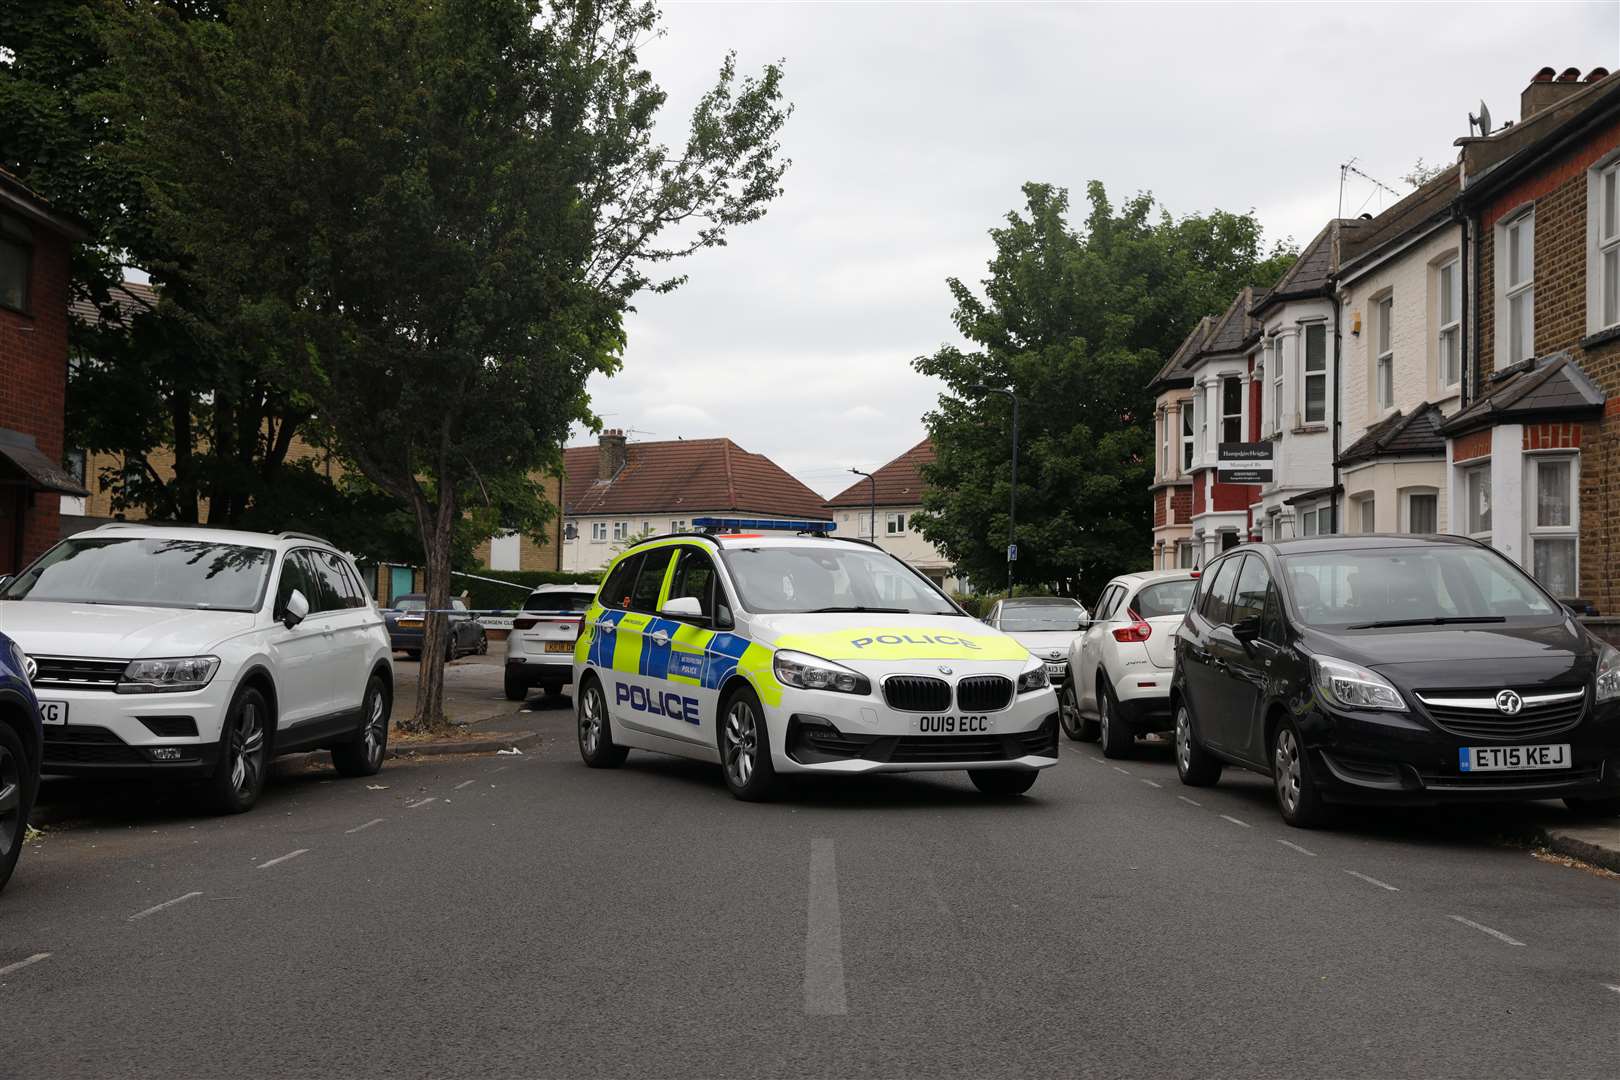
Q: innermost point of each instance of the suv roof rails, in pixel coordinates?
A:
(293, 534)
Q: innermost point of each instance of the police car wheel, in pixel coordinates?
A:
(745, 747)
(1003, 781)
(596, 747)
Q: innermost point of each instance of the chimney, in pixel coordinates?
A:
(1547, 89)
(610, 454)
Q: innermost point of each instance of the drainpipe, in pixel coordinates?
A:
(1333, 496)
(1473, 318)
(1464, 386)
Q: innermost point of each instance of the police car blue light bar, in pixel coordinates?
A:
(717, 524)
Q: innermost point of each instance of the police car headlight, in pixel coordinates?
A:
(813, 673)
(1033, 679)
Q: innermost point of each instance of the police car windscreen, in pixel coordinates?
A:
(775, 580)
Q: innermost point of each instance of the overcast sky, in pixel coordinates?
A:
(915, 124)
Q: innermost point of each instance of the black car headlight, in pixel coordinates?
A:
(1606, 686)
(1033, 679)
(813, 673)
(1354, 687)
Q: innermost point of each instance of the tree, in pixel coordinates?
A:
(1421, 173)
(430, 216)
(1077, 324)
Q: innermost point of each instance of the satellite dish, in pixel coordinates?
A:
(1482, 121)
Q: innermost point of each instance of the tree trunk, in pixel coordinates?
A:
(436, 524)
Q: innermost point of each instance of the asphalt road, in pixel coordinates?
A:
(525, 916)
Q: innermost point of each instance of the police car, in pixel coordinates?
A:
(801, 653)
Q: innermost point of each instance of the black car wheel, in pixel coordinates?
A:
(517, 688)
(244, 755)
(364, 756)
(1074, 725)
(1117, 740)
(17, 783)
(1196, 766)
(483, 642)
(1297, 798)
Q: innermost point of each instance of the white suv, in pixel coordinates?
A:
(540, 649)
(172, 651)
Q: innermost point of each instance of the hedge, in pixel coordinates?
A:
(487, 596)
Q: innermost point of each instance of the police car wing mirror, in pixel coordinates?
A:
(682, 607)
(295, 611)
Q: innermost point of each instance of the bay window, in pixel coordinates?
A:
(1231, 410)
(1603, 262)
(1448, 286)
(1422, 510)
(1384, 375)
(1551, 517)
(1516, 287)
(1477, 491)
(1316, 373)
(1276, 386)
(1187, 433)
(1369, 515)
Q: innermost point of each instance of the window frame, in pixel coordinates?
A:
(1468, 474)
(889, 520)
(1277, 386)
(18, 234)
(1231, 417)
(1188, 433)
(621, 530)
(1367, 508)
(1406, 497)
(1448, 331)
(1523, 225)
(599, 532)
(1310, 373)
(1384, 351)
(1534, 531)
(1606, 172)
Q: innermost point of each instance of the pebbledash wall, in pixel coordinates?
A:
(1558, 194)
(33, 393)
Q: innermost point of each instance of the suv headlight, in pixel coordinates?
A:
(813, 673)
(1353, 686)
(1033, 679)
(169, 675)
(1607, 684)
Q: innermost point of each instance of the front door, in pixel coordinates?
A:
(643, 696)
(694, 665)
(1239, 724)
(303, 686)
(347, 617)
(401, 580)
(1202, 668)
(1092, 646)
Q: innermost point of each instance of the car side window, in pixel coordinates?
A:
(1106, 602)
(1254, 581)
(338, 577)
(1271, 625)
(1215, 603)
(328, 582)
(620, 580)
(295, 575)
(695, 577)
(644, 596)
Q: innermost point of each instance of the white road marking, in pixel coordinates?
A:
(464, 783)
(283, 858)
(424, 802)
(37, 957)
(824, 937)
(1610, 986)
(166, 904)
(1296, 847)
(1117, 769)
(503, 768)
(1188, 801)
(1097, 759)
(1150, 783)
(1485, 929)
(1372, 880)
(1235, 821)
(367, 825)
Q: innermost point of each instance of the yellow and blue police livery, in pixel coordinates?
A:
(771, 647)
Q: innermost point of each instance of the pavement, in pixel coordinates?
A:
(526, 916)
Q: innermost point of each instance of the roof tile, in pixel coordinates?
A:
(685, 476)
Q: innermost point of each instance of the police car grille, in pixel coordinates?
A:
(983, 693)
(921, 749)
(1531, 722)
(916, 693)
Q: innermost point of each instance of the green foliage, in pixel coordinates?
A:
(1077, 323)
(486, 596)
(428, 217)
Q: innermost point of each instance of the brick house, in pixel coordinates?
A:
(1534, 459)
(897, 488)
(616, 490)
(36, 244)
(1173, 438)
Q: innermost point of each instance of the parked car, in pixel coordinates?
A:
(1393, 669)
(803, 654)
(405, 629)
(540, 649)
(1045, 625)
(1123, 663)
(20, 737)
(198, 654)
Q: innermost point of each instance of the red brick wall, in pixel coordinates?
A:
(33, 392)
(1234, 496)
(1474, 445)
(1181, 503)
(1558, 189)
(1552, 436)
(1160, 502)
(1197, 495)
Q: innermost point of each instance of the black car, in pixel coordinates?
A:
(1393, 669)
(21, 739)
(405, 628)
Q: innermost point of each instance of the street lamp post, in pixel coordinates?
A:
(1012, 502)
(873, 481)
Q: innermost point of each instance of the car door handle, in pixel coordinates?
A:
(1219, 664)
(660, 637)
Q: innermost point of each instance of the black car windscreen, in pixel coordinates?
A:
(1390, 585)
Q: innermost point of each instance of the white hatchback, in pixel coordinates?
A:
(1120, 668)
(195, 653)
